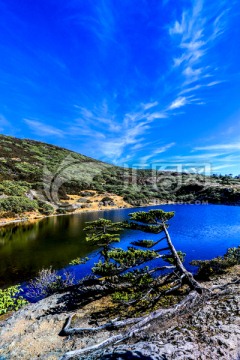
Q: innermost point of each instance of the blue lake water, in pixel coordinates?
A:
(201, 231)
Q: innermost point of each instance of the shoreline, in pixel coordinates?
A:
(38, 217)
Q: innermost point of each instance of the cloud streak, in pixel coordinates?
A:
(145, 159)
(194, 35)
(227, 147)
(42, 129)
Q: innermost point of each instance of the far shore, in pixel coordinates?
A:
(34, 217)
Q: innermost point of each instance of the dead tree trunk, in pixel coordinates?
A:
(194, 285)
(142, 323)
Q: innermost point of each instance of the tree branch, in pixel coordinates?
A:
(187, 303)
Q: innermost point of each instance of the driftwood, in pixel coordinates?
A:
(141, 323)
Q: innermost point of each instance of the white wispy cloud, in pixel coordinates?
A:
(179, 102)
(149, 105)
(101, 22)
(42, 129)
(219, 167)
(4, 123)
(194, 34)
(162, 149)
(228, 147)
(114, 135)
(156, 115)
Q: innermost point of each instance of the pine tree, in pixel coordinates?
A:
(133, 284)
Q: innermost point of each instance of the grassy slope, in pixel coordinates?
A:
(35, 165)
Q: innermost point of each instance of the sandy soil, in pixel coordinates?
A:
(92, 205)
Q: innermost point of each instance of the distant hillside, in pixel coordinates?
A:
(39, 173)
(23, 159)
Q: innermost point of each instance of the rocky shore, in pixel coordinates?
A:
(210, 331)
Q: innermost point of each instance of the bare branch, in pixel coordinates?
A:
(111, 325)
(186, 304)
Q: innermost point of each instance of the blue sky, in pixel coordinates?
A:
(141, 82)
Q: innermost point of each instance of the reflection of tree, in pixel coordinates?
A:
(17, 232)
(26, 248)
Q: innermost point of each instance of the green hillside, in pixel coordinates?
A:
(34, 174)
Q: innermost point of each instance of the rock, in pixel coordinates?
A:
(211, 332)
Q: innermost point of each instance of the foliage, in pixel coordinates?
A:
(17, 204)
(138, 277)
(11, 299)
(79, 261)
(87, 193)
(152, 216)
(13, 188)
(233, 254)
(45, 208)
(120, 266)
(22, 162)
(131, 257)
(170, 259)
(48, 282)
(139, 280)
(103, 232)
(218, 265)
(106, 268)
(124, 296)
(143, 243)
(106, 199)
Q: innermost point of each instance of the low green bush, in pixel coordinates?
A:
(79, 261)
(17, 204)
(106, 199)
(11, 300)
(13, 188)
(45, 209)
(207, 268)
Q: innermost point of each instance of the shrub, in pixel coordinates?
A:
(11, 300)
(87, 193)
(207, 268)
(61, 211)
(79, 261)
(107, 199)
(17, 204)
(143, 243)
(45, 209)
(48, 282)
(13, 188)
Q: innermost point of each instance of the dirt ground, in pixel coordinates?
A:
(210, 332)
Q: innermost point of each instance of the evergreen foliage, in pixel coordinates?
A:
(11, 299)
(103, 232)
(17, 204)
(218, 265)
(124, 268)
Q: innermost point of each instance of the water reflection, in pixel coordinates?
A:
(24, 249)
